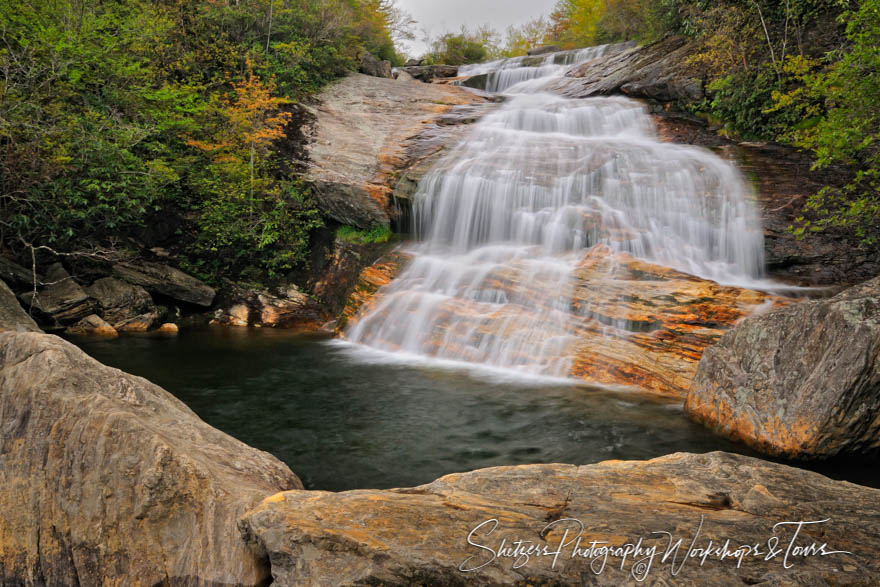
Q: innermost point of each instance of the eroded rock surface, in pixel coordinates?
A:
(360, 142)
(419, 535)
(800, 382)
(106, 479)
(630, 323)
(658, 71)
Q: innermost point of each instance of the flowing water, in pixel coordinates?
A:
(507, 217)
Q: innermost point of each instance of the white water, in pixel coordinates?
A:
(506, 217)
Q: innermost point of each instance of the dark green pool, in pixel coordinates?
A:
(341, 419)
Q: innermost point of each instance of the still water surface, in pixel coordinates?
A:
(343, 420)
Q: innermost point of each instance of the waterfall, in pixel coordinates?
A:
(505, 219)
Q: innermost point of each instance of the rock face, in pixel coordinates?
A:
(281, 308)
(359, 143)
(801, 382)
(12, 316)
(16, 275)
(167, 281)
(61, 300)
(429, 73)
(108, 479)
(630, 323)
(124, 306)
(375, 67)
(783, 180)
(426, 535)
(657, 71)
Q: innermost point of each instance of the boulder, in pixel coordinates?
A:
(92, 326)
(413, 62)
(450, 532)
(375, 67)
(428, 73)
(658, 71)
(16, 275)
(12, 315)
(359, 143)
(283, 307)
(61, 300)
(167, 281)
(124, 306)
(169, 328)
(801, 382)
(107, 479)
(543, 50)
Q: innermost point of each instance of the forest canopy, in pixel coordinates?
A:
(114, 113)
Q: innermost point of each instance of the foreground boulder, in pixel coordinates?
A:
(107, 479)
(12, 316)
(167, 281)
(801, 382)
(427, 535)
(360, 143)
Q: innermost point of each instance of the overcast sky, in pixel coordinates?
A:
(439, 16)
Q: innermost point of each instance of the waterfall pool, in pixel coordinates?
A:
(344, 420)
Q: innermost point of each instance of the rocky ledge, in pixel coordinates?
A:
(800, 382)
(367, 132)
(429, 535)
(631, 323)
(106, 479)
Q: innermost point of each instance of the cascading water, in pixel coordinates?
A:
(506, 218)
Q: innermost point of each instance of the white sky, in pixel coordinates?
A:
(440, 16)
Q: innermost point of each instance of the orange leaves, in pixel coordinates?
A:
(251, 117)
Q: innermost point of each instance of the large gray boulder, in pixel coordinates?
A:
(436, 533)
(799, 382)
(124, 306)
(61, 300)
(12, 316)
(167, 281)
(106, 479)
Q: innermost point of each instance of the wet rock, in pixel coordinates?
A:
(92, 326)
(12, 315)
(108, 479)
(420, 535)
(429, 73)
(284, 307)
(783, 179)
(167, 281)
(658, 71)
(800, 382)
(630, 323)
(544, 50)
(61, 301)
(359, 142)
(168, 328)
(375, 67)
(124, 306)
(362, 298)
